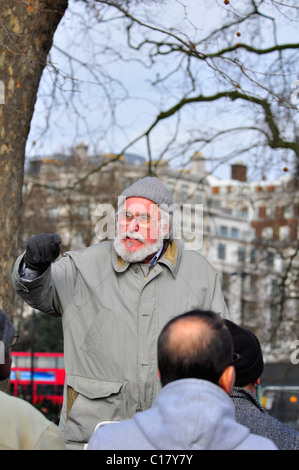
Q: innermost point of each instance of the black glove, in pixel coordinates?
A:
(41, 250)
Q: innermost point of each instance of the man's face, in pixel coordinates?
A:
(139, 229)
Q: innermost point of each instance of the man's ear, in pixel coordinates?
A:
(227, 379)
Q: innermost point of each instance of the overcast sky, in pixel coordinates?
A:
(87, 42)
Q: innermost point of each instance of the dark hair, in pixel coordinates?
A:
(204, 352)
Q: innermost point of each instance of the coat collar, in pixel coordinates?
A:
(171, 259)
(239, 392)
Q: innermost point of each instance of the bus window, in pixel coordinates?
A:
(21, 361)
(45, 389)
(60, 362)
(59, 390)
(44, 362)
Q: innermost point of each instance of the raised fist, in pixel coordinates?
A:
(41, 250)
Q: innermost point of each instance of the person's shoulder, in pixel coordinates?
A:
(282, 429)
(19, 405)
(194, 258)
(38, 431)
(97, 247)
(6, 399)
(263, 443)
(101, 249)
(23, 410)
(113, 435)
(256, 442)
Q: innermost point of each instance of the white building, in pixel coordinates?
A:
(249, 231)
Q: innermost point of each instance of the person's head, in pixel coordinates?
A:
(7, 336)
(198, 345)
(143, 220)
(250, 366)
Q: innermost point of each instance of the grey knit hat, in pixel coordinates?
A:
(7, 331)
(150, 188)
(250, 366)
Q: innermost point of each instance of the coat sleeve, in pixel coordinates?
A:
(51, 290)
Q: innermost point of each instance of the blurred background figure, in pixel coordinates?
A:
(23, 427)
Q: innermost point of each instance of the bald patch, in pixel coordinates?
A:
(187, 335)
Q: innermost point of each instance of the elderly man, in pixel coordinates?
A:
(114, 299)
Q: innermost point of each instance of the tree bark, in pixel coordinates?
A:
(26, 34)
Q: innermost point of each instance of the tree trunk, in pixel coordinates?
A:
(26, 35)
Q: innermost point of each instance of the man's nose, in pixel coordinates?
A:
(133, 225)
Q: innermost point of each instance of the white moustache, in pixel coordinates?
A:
(133, 235)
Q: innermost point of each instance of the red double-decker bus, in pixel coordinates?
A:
(47, 381)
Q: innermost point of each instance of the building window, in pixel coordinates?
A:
(270, 211)
(284, 232)
(226, 281)
(234, 232)
(221, 251)
(267, 233)
(199, 197)
(241, 254)
(184, 193)
(253, 284)
(288, 212)
(270, 258)
(252, 255)
(223, 231)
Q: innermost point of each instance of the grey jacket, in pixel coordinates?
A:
(251, 413)
(187, 414)
(112, 315)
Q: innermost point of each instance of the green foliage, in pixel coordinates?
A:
(50, 410)
(43, 332)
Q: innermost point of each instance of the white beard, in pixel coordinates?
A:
(139, 255)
